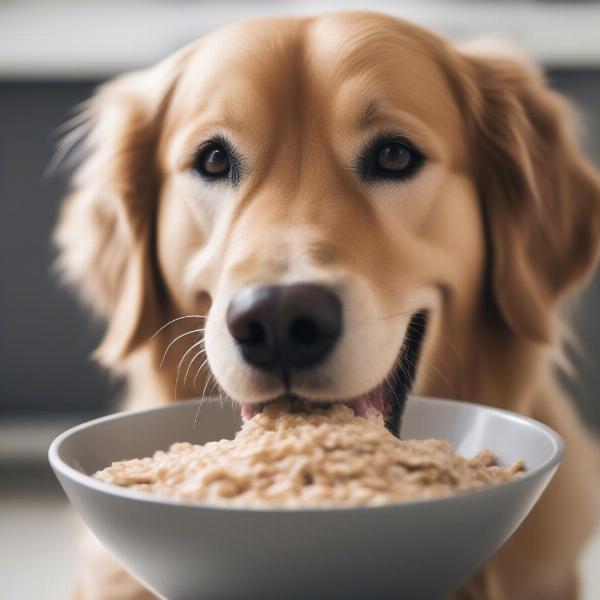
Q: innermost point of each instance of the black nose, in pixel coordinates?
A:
(285, 326)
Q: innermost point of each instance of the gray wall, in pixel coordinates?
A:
(45, 339)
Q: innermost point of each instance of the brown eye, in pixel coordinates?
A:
(213, 162)
(394, 157)
(388, 158)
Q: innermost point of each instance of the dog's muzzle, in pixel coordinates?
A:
(286, 328)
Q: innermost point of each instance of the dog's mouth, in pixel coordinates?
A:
(386, 401)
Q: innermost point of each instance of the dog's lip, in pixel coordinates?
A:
(385, 402)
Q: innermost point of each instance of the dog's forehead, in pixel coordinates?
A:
(349, 66)
(241, 63)
(377, 47)
(369, 67)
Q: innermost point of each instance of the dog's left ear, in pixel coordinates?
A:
(540, 196)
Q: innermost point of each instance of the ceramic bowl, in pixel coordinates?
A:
(190, 551)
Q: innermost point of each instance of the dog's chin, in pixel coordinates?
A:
(385, 402)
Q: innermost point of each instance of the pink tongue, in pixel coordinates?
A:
(359, 406)
(248, 411)
(362, 404)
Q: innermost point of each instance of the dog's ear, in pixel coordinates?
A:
(105, 233)
(540, 197)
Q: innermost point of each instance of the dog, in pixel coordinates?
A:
(342, 208)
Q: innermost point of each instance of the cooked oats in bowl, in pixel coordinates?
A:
(245, 538)
(299, 456)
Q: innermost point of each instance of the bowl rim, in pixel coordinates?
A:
(61, 467)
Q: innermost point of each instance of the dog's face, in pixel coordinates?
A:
(317, 187)
(316, 181)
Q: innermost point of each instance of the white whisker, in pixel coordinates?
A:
(221, 398)
(173, 321)
(198, 412)
(215, 384)
(362, 321)
(206, 383)
(199, 371)
(182, 361)
(162, 362)
(428, 377)
(199, 353)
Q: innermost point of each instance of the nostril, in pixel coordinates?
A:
(250, 320)
(256, 335)
(304, 331)
(312, 315)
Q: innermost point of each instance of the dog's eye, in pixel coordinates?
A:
(386, 159)
(394, 157)
(213, 161)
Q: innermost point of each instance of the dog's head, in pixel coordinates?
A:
(338, 196)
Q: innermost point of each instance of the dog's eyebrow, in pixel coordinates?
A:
(369, 113)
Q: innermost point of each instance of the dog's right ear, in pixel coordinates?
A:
(105, 233)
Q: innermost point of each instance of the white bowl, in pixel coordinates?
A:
(191, 551)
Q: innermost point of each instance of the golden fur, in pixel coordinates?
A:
(491, 236)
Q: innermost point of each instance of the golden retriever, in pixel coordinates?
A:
(342, 208)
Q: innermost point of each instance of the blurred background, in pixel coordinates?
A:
(52, 56)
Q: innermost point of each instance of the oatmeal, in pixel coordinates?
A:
(325, 457)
